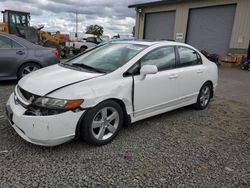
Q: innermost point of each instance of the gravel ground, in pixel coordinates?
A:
(234, 84)
(182, 148)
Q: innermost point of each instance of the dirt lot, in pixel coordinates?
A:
(183, 148)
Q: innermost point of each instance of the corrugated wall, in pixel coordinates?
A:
(241, 30)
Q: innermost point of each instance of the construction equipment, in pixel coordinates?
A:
(18, 23)
(245, 61)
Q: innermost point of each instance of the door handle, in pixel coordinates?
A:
(199, 71)
(173, 76)
(20, 52)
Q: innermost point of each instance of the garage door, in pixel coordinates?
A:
(159, 25)
(210, 28)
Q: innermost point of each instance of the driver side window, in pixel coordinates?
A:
(163, 58)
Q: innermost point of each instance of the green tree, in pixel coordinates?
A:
(95, 30)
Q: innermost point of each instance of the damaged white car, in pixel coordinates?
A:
(95, 94)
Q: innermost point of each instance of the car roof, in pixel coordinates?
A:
(150, 43)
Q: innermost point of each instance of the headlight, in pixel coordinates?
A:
(53, 103)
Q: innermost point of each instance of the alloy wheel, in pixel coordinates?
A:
(205, 96)
(28, 69)
(105, 123)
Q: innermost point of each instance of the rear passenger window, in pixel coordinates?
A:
(188, 57)
(163, 58)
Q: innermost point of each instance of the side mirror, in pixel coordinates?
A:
(147, 69)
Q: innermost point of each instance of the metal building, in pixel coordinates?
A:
(217, 26)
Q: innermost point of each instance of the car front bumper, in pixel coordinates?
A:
(49, 130)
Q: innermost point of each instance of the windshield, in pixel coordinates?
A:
(108, 57)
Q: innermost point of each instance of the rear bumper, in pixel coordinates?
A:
(43, 130)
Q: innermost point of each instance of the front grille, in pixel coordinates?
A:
(27, 95)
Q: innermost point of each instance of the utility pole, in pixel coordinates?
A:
(76, 25)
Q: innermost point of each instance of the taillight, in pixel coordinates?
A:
(55, 52)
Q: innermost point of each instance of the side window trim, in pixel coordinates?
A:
(177, 57)
(199, 58)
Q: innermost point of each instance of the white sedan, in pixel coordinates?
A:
(97, 93)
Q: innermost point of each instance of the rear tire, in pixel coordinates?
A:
(26, 69)
(83, 48)
(75, 52)
(204, 96)
(102, 123)
(65, 52)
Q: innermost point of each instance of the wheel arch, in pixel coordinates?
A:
(84, 46)
(26, 62)
(127, 118)
(212, 87)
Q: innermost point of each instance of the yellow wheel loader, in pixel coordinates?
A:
(18, 23)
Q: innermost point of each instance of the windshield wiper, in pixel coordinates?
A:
(88, 67)
(70, 65)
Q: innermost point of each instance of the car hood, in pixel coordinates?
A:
(46, 80)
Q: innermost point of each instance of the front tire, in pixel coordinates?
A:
(204, 96)
(102, 123)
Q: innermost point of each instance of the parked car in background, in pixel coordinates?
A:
(19, 57)
(86, 43)
(96, 93)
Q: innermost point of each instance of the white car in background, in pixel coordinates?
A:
(84, 44)
(95, 94)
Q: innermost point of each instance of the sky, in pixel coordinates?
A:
(60, 15)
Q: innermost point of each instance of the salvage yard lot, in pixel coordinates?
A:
(182, 148)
